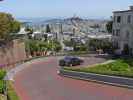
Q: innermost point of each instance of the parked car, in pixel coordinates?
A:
(70, 61)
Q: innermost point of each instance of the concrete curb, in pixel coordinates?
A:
(104, 79)
(11, 73)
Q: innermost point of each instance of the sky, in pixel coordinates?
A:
(64, 8)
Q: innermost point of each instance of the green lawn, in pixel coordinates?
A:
(121, 67)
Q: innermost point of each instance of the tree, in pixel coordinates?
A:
(57, 46)
(39, 47)
(48, 30)
(8, 26)
(109, 26)
(29, 31)
(95, 26)
(96, 44)
(31, 45)
(68, 43)
(77, 46)
(54, 45)
(80, 48)
(15, 26)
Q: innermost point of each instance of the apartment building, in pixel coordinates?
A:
(123, 30)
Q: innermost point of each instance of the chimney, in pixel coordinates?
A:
(131, 7)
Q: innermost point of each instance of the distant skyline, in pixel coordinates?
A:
(64, 8)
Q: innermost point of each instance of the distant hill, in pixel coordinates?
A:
(68, 24)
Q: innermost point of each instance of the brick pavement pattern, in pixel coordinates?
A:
(40, 81)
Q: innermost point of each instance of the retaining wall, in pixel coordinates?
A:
(12, 53)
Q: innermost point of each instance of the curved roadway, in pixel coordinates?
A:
(40, 81)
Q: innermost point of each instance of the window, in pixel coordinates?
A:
(118, 19)
(117, 32)
(127, 34)
(114, 18)
(116, 44)
(113, 33)
(129, 19)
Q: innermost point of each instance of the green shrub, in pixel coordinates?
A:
(2, 86)
(11, 94)
(129, 61)
(2, 74)
(119, 65)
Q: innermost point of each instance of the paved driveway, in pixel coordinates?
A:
(40, 82)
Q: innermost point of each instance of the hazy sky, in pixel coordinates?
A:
(63, 8)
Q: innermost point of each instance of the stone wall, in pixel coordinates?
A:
(12, 53)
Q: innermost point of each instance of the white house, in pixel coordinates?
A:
(123, 30)
(22, 31)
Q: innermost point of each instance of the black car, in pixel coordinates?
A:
(70, 61)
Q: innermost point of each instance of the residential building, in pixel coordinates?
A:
(38, 35)
(67, 35)
(123, 30)
(100, 36)
(22, 31)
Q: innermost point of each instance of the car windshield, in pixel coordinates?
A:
(68, 58)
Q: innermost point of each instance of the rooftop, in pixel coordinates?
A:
(130, 10)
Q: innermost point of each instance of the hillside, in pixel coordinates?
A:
(69, 24)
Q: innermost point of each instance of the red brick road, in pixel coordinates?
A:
(40, 82)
